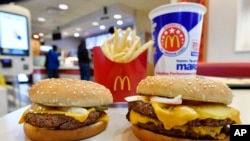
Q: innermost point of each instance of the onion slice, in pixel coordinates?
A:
(175, 100)
(135, 98)
(76, 110)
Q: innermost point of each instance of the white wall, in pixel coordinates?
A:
(222, 19)
(66, 44)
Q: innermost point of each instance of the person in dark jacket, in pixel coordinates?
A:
(52, 63)
(83, 61)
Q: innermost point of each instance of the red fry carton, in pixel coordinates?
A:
(121, 78)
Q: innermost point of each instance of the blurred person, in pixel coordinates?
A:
(52, 63)
(83, 61)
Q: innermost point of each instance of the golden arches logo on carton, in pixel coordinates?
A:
(122, 81)
(172, 42)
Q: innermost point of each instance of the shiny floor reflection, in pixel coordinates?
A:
(18, 96)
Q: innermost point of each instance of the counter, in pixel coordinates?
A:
(118, 128)
(3, 101)
(64, 71)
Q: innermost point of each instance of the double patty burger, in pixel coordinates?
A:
(181, 109)
(66, 109)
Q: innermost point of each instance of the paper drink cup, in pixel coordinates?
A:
(176, 31)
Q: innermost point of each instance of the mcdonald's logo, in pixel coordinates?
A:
(122, 82)
(171, 39)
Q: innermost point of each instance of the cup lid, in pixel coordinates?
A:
(177, 7)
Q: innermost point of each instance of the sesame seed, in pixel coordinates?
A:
(185, 89)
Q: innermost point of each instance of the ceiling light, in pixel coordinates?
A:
(78, 29)
(65, 33)
(102, 27)
(95, 23)
(63, 6)
(35, 36)
(119, 22)
(117, 16)
(41, 34)
(41, 19)
(76, 34)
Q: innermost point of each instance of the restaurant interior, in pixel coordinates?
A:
(224, 52)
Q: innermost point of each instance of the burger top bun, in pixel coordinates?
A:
(198, 89)
(67, 92)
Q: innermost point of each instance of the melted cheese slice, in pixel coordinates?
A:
(175, 115)
(205, 130)
(80, 116)
(172, 116)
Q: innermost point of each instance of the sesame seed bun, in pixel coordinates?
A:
(67, 92)
(198, 89)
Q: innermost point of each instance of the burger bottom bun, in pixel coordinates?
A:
(145, 135)
(42, 134)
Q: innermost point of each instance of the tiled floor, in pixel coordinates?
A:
(17, 96)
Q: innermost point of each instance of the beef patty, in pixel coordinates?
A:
(60, 121)
(146, 109)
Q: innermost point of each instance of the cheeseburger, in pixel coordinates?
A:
(66, 109)
(181, 109)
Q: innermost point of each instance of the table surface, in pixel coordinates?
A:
(118, 129)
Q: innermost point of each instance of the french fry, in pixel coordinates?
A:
(116, 40)
(119, 55)
(131, 49)
(105, 52)
(125, 36)
(141, 50)
(124, 49)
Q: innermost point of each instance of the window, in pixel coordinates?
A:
(243, 26)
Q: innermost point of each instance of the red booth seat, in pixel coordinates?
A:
(224, 69)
